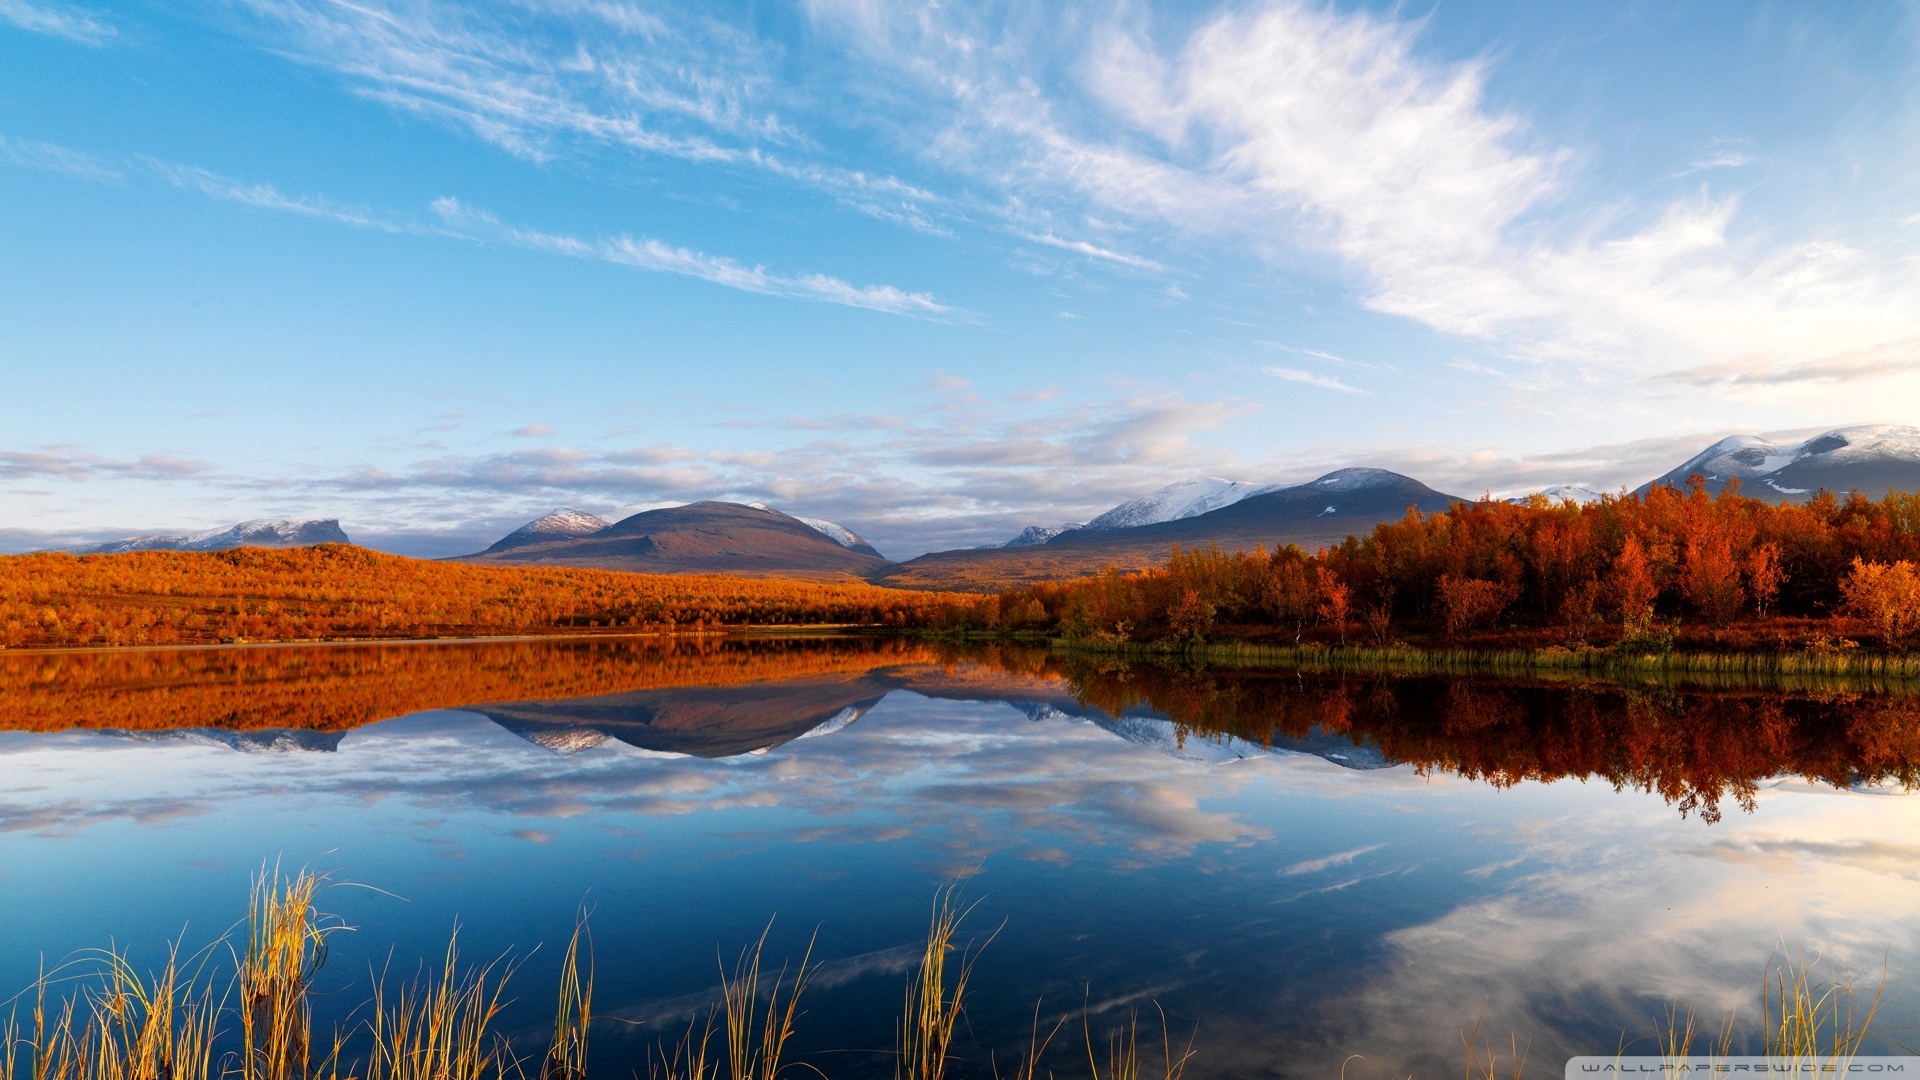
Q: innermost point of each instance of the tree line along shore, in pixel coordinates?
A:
(1670, 570)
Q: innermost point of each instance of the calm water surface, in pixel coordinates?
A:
(1303, 867)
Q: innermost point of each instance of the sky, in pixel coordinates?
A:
(936, 272)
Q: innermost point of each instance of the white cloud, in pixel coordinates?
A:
(537, 79)
(1093, 251)
(648, 254)
(1324, 382)
(456, 219)
(59, 159)
(267, 197)
(1289, 126)
(57, 20)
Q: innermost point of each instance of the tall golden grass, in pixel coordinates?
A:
(1124, 1061)
(932, 1011)
(115, 1023)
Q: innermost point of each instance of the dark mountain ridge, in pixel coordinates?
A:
(701, 537)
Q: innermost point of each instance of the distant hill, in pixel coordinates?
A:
(1324, 511)
(264, 533)
(1872, 460)
(702, 537)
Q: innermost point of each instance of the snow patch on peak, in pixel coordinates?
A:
(1357, 480)
(563, 521)
(1035, 535)
(839, 534)
(1188, 498)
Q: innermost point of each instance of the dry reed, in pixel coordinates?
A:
(1123, 1051)
(286, 945)
(441, 1027)
(1028, 1067)
(567, 1054)
(932, 1011)
(1799, 1013)
(756, 1037)
(119, 1025)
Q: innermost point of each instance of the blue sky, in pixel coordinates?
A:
(934, 272)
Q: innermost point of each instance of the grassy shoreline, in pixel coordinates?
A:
(1794, 670)
(1784, 669)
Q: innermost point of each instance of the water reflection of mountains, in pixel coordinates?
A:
(1697, 747)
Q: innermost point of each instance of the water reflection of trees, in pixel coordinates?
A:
(1697, 747)
(335, 687)
(1694, 747)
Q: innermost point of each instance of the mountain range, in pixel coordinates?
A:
(1871, 459)
(736, 538)
(274, 534)
(1322, 511)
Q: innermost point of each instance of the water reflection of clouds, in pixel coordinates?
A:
(1626, 910)
(974, 778)
(1568, 901)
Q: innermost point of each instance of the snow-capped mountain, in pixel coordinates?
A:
(1579, 494)
(1035, 535)
(1349, 480)
(1188, 498)
(1871, 459)
(564, 523)
(263, 533)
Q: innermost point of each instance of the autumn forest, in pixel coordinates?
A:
(1673, 569)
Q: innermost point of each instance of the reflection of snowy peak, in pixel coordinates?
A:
(260, 741)
(1166, 737)
(1162, 734)
(835, 723)
(566, 741)
(1188, 498)
(263, 533)
(1870, 458)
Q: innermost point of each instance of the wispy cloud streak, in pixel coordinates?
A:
(1308, 378)
(452, 218)
(57, 20)
(648, 254)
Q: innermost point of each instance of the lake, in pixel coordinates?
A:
(1294, 867)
